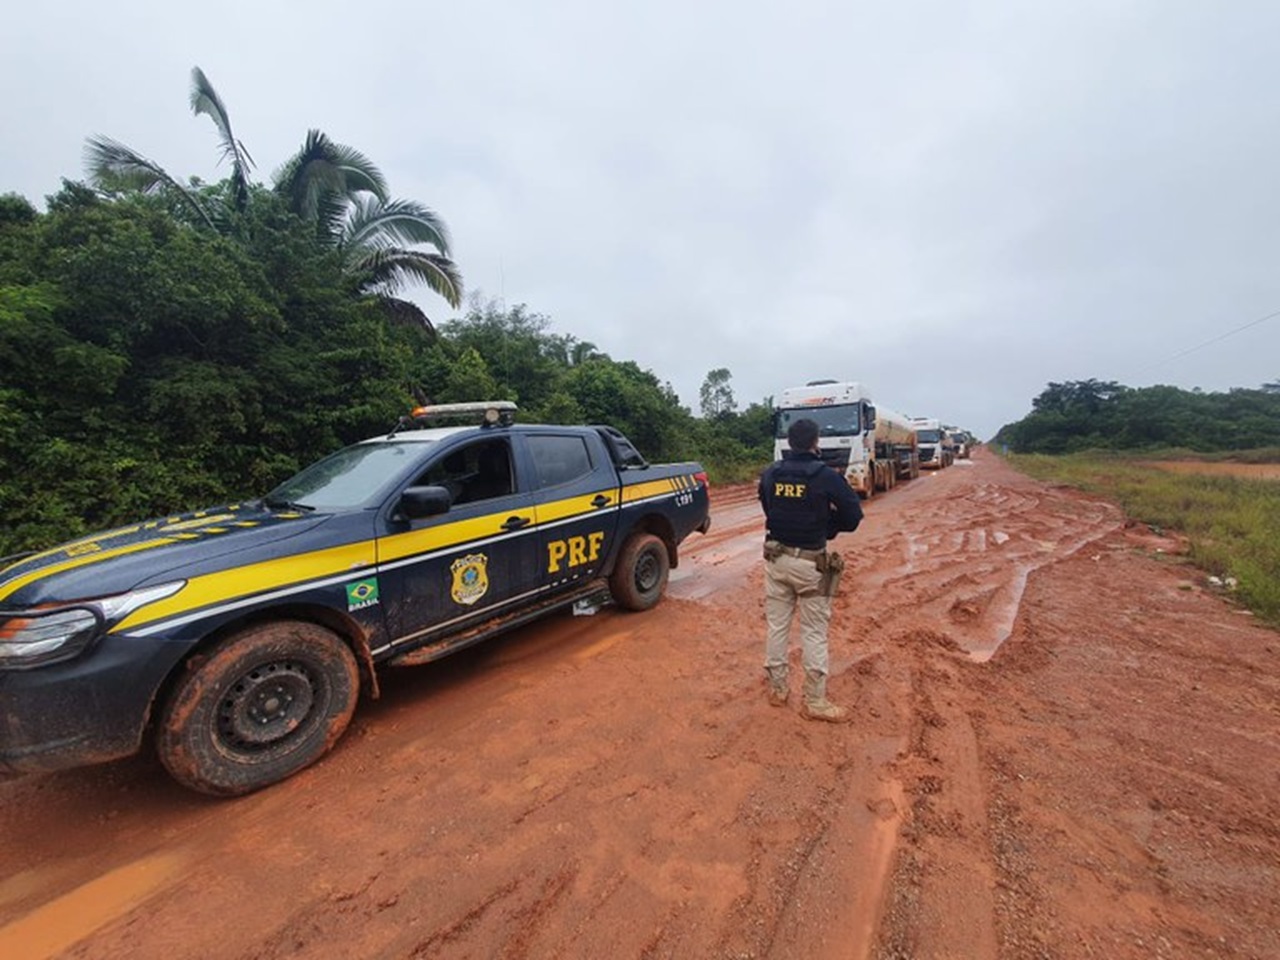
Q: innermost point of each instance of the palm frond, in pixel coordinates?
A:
(205, 100)
(408, 314)
(388, 270)
(114, 166)
(322, 167)
(308, 176)
(362, 175)
(374, 223)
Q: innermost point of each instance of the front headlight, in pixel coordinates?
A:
(33, 638)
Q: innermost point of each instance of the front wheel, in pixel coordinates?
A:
(264, 704)
(641, 573)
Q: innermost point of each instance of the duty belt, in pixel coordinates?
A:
(774, 549)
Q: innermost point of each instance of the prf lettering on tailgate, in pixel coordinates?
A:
(574, 552)
(792, 491)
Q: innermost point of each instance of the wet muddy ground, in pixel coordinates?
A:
(1064, 744)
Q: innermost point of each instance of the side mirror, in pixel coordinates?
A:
(417, 502)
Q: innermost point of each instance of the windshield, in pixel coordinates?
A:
(835, 421)
(353, 477)
(928, 436)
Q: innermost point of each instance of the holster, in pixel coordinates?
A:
(831, 566)
(772, 551)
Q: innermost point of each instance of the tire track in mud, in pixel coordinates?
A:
(944, 605)
(617, 785)
(965, 562)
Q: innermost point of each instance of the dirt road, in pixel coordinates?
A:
(1064, 746)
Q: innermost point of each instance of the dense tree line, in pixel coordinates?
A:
(153, 364)
(1104, 415)
(169, 343)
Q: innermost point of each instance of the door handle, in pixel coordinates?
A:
(515, 523)
(600, 500)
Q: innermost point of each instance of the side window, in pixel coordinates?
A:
(475, 472)
(559, 459)
(624, 454)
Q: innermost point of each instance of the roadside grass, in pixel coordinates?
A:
(1259, 455)
(723, 473)
(1232, 524)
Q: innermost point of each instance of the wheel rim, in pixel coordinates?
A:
(267, 705)
(648, 571)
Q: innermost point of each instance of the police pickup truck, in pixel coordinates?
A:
(241, 637)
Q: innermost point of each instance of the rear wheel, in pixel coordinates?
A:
(641, 573)
(264, 704)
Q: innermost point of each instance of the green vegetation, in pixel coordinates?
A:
(1233, 524)
(333, 188)
(1094, 415)
(510, 354)
(153, 365)
(169, 345)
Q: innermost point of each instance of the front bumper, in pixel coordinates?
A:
(87, 710)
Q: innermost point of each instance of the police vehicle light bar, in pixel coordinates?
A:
(489, 412)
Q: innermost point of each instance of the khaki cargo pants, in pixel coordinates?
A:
(794, 584)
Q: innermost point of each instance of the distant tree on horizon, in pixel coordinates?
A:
(716, 394)
(1098, 415)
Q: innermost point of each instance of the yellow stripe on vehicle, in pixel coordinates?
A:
(397, 546)
(642, 491)
(574, 506)
(17, 583)
(214, 588)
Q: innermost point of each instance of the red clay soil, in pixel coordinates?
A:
(1064, 745)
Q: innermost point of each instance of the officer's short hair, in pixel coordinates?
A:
(802, 435)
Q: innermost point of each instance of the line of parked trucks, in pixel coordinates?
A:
(873, 446)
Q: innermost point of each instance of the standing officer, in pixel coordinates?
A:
(806, 503)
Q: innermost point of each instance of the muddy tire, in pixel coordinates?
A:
(258, 708)
(641, 573)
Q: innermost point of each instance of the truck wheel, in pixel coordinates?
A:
(641, 573)
(264, 704)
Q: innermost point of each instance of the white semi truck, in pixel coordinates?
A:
(872, 446)
(935, 446)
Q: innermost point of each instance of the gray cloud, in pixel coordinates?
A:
(953, 203)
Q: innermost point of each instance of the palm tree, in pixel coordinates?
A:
(204, 99)
(345, 196)
(114, 166)
(328, 184)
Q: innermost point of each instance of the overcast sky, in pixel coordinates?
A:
(952, 203)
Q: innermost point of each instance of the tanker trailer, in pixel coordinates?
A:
(896, 445)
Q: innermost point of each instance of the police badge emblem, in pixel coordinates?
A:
(470, 578)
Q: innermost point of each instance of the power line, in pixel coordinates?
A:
(1200, 346)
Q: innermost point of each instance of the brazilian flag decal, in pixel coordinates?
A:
(362, 593)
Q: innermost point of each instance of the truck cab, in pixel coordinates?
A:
(846, 419)
(934, 446)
